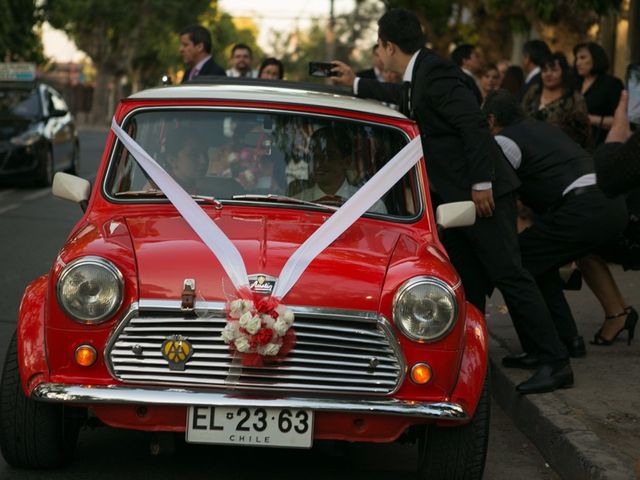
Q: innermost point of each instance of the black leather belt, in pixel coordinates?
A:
(580, 190)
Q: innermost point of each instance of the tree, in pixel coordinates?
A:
(354, 37)
(19, 41)
(492, 23)
(121, 37)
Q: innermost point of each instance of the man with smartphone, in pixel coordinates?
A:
(465, 163)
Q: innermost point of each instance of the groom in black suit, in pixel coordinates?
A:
(195, 50)
(465, 163)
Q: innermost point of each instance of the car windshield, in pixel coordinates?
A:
(19, 102)
(282, 158)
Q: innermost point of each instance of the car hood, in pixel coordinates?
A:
(347, 274)
(11, 126)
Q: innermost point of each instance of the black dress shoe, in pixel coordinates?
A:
(548, 378)
(525, 361)
(575, 346)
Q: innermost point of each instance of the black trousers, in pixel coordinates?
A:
(488, 254)
(576, 227)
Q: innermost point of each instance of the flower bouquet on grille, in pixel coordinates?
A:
(259, 330)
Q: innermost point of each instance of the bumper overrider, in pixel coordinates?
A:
(86, 395)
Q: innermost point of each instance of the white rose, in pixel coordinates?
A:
(254, 325)
(267, 321)
(230, 332)
(269, 349)
(244, 319)
(280, 327)
(242, 344)
(239, 307)
(288, 317)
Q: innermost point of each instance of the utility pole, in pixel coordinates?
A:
(633, 41)
(331, 34)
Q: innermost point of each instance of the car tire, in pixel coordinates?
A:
(32, 434)
(457, 453)
(75, 160)
(46, 169)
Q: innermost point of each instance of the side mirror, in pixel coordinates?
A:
(70, 187)
(456, 214)
(57, 113)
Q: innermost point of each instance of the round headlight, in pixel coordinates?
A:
(425, 309)
(90, 289)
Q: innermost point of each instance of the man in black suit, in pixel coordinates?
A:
(534, 52)
(573, 217)
(464, 162)
(466, 57)
(195, 50)
(377, 71)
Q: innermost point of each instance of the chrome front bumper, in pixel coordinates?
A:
(89, 394)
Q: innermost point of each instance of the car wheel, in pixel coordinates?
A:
(32, 434)
(75, 160)
(457, 453)
(45, 170)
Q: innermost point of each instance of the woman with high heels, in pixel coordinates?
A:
(618, 171)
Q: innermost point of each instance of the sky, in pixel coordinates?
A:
(281, 15)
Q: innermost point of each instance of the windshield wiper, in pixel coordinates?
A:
(283, 199)
(158, 193)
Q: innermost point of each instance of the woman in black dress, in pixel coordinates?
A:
(601, 91)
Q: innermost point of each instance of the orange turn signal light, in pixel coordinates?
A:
(86, 355)
(421, 373)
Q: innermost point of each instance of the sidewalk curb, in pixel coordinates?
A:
(567, 444)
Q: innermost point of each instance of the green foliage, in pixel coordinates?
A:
(120, 35)
(19, 41)
(225, 33)
(354, 33)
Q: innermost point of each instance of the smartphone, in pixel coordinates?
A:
(633, 87)
(322, 69)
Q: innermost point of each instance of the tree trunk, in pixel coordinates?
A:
(101, 97)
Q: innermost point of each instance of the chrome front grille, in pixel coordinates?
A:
(340, 351)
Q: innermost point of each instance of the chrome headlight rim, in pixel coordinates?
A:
(96, 261)
(425, 280)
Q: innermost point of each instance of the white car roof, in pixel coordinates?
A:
(267, 93)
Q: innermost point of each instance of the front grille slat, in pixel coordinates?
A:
(336, 351)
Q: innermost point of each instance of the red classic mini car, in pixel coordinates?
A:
(257, 264)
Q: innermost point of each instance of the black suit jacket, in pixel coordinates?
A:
(536, 79)
(471, 82)
(209, 68)
(368, 73)
(458, 148)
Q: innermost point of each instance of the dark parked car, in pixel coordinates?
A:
(37, 132)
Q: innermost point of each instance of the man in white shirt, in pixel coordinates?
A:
(195, 50)
(573, 219)
(534, 53)
(465, 163)
(241, 60)
(331, 152)
(466, 57)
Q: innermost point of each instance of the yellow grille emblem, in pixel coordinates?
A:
(177, 351)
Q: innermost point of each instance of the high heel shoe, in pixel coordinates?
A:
(629, 324)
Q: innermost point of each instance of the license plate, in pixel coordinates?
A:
(255, 426)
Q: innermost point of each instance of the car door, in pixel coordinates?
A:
(61, 129)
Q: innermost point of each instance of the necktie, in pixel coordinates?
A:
(405, 106)
(194, 73)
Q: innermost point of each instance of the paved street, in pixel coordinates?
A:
(33, 226)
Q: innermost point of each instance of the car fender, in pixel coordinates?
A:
(32, 358)
(474, 364)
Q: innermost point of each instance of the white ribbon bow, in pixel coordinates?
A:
(227, 253)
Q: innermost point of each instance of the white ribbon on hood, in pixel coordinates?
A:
(227, 253)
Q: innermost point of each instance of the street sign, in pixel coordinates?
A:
(17, 72)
